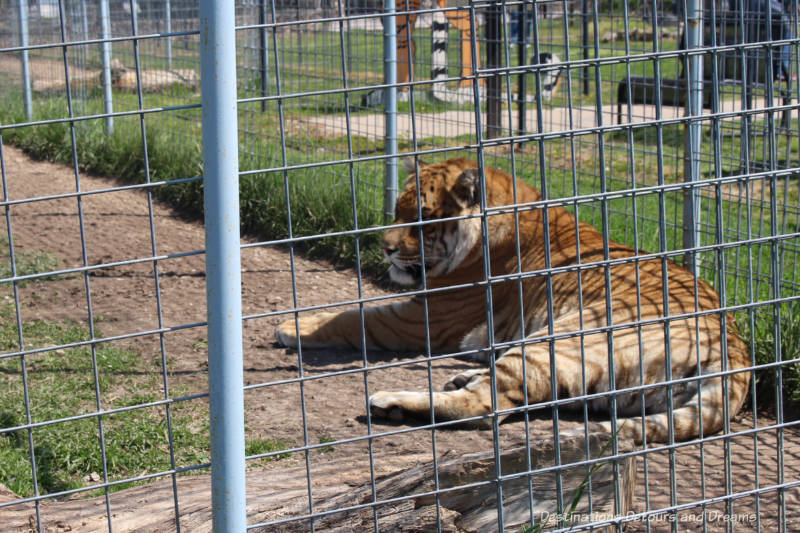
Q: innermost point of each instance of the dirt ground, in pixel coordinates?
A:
(331, 406)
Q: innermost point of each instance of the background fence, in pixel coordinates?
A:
(672, 141)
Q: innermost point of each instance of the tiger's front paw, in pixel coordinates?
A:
(410, 407)
(286, 333)
(386, 405)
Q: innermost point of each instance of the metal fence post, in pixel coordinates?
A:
(84, 20)
(263, 52)
(108, 99)
(494, 35)
(26, 71)
(693, 133)
(390, 107)
(168, 26)
(585, 43)
(223, 263)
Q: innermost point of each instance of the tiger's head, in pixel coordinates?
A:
(446, 190)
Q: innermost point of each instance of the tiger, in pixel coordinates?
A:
(440, 26)
(439, 36)
(550, 76)
(560, 320)
(406, 50)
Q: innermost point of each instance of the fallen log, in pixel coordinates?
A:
(405, 495)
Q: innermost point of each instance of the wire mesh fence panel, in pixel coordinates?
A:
(581, 313)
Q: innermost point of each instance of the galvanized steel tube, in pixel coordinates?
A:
(168, 30)
(223, 263)
(108, 99)
(390, 107)
(26, 71)
(694, 108)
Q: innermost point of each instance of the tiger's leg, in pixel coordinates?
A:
(343, 330)
(399, 326)
(405, 43)
(460, 20)
(582, 364)
(467, 70)
(469, 394)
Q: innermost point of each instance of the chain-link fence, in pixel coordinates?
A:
(601, 334)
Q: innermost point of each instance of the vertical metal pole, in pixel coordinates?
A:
(494, 34)
(522, 37)
(349, 33)
(693, 131)
(264, 52)
(302, 36)
(390, 107)
(585, 42)
(134, 4)
(223, 263)
(751, 22)
(168, 24)
(84, 20)
(26, 70)
(108, 99)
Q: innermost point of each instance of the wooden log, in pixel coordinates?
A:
(404, 487)
(475, 508)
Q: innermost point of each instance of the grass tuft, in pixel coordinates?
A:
(324, 439)
(258, 446)
(26, 263)
(765, 339)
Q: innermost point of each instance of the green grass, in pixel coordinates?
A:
(258, 446)
(324, 439)
(316, 64)
(26, 263)
(321, 199)
(60, 384)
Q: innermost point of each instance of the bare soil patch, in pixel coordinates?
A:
(117, 229)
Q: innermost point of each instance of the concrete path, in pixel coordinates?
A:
(458, 123)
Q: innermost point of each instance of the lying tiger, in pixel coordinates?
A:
(453, 256)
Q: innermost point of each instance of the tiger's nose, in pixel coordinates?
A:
(392, 241)
(388, 243)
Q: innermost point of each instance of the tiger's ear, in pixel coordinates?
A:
(466, 190)
(410, 165)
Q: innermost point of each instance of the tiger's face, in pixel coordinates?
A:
(446, 190)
